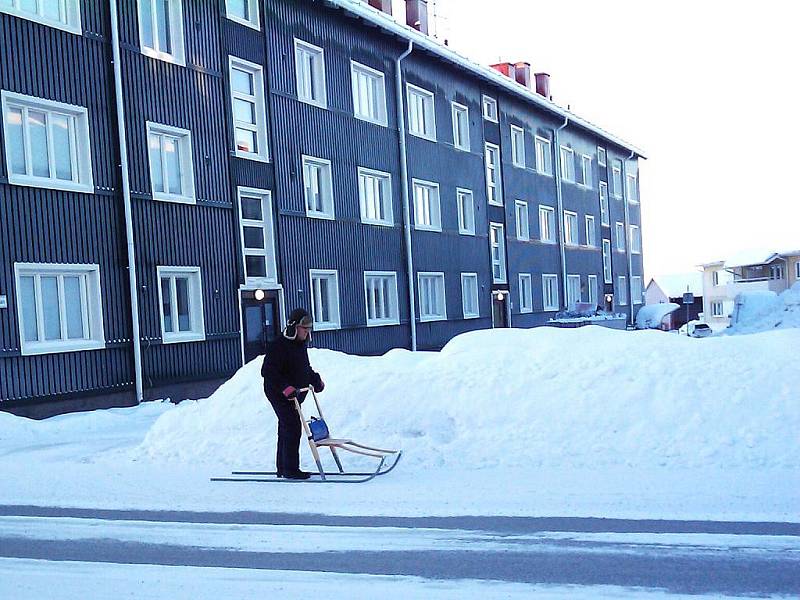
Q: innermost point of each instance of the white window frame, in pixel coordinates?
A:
(428, 100)
(500, 245)
(605, 218)
(616, 174)
(518, 146)
(385, 182)
(636, 239)
(369, 299)
(607, 273)
(717, 304)
(567, 164)
(184, 137)
(601, 156)
(525, 293)
(260, 127)
(797, 269)
(550, 283)
(622, 290)
(715, 278)
(319, 92)
(91, 306)
(178, 54)
(591, 231)
(266, 222)
(548, 213)
(571, 232)
(70, 8)
(475, 296)
(493, 167)
(80, 143)
(489, 108)
(522, 220)
(572, 290)
(326, 188)
(198, 332)
(377, 78)
(440, 287)
(619, 235)
(254, 22)
(544, 155)
(592, 291)
(434, 209)
(632, 190)
(465, 204)
(636, 287)
(315, 298)
(587, 177)
(460, 111)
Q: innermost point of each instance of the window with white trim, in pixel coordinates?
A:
(517, 146)
(604, 218)
(633, 189)
(460, 126)
(544, 156)
(489, 108)
(586, 171)
(797, 269)
(523, 224)
(161, 30)
(715, 277)
(469, 295)
(380, 291)
(547, 224)
(717, 309)
(494, 190)
(318, 185)
(309, 61)
(573, 291)
(244, 12)
(607, 278)
(325, 299)
(622, 290)
(432, 305)
(776, 272)
(64, 14)
(466, 211)
(427, 210)
(59, 307)
(567, 164)
(497, 245)
(616, 178)
(591, 232)
(525, 293)
(601, 156)
(375, 197)
(636, 289)
(571, 228)
(258, 237)
(550, 292)
(180, 295)
(171, 163)
(593, 291)
(369, 93)
(636, 240)
(248, 109)
(421, 112)
(47, 143)
(619, 234)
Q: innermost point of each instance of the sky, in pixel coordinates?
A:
(709, 90)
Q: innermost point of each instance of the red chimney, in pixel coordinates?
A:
(506, 69)
(523, 73)
(543, 85)
(382, 5)
(417, 15)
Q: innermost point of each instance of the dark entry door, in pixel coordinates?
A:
(261, 322)
(499, 314)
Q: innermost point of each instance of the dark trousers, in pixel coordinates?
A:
(290, 431)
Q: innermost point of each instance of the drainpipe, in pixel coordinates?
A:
(628, 255)
(561, 214)
(404, 183)
(126, 194)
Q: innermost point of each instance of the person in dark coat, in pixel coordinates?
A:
(286, 369)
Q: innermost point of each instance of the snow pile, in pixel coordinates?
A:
(651, 316)
(765, 310)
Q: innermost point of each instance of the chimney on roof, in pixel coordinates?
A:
(543, 85)
(522, 71)
(382, 5)
(508, 69)
(417, 15)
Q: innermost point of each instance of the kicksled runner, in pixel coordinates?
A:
(316, 431)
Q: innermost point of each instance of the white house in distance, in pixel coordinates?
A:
(671, 288)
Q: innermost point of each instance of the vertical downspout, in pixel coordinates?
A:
(404, 183)
(561, 214)
(628, 255)
(126, 193)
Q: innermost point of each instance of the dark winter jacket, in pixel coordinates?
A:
(286, 364)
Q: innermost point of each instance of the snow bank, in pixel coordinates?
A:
(764, 310)
(651, 316)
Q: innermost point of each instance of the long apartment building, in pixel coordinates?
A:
(176, 176)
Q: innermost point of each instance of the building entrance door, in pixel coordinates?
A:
(499, 312)
(261, 323)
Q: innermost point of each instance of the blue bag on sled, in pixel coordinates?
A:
(319, 429)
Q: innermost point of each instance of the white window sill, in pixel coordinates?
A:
(76, 29)
(428, 228)
(261, 282)
(163, 56)
(525, 311)
(319, 215)
(424, 319)
(383, 323)
(326, 326)
(379, 223)
(423, 136)
(50, 184)
(550, 308)
(318, 103)
(161, 197)
(381, 122)
(490, 119)
(496, 203)
(572, 244)
(471, 316)
(500, 281)
(523, 239)
(462, 148)
(244, 22)
(465, 232)
(551, 242)
(543, 174)
(517, 165)
(180, 338)
(33, 348)
(252, 156)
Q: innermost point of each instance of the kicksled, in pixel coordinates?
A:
(318, 436)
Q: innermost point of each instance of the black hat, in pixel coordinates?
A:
(300, 316)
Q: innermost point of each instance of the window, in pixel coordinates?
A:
(604, 220)
(318, 183)
(633, 190)
(375, 197)
(525, 293)
(161, 29)
(309, 63)
(421, 113)
(180, 296)
(325, 299)
(797, 269)
(567, 164)
(550, 292)
(64, 14)
(622, 291)
(636, 290)
(544, 156)
(248, 108)
(601, 156)
(517, 146)
(523, 226)
(497, 245)
(547, 224)
(607, 261)
(636, 240)
(466, 212)
(573, 291)
(493, 185)
(369, 93)
(469, 295)
(593, 291)
(571, 228)
(460, 126)
(717, 309)
(59, 307)
(431, 297)
(619, 233)
(776, 272)
(258, 238)
(47, 143)
(586, 171)
(616, 179)
(380, 291)
(715, 277)
(427, 211)
(244, 12)
(591, 232)
(490, 109)
(171, 164)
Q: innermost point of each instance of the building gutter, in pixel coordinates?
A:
(557, 173)
(628, 255)
(126, 194)
(401, 128)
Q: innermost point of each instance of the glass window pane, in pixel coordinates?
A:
(244, 111)
(28, 306)
(239, 8)
(51, 9)
(60, 127)
(251, 208)
(37, 125)
(241, 81)
(256, 266)
(74, 307)
(246, 140)
(163, 24)
(16, 140)
(173, 164)
(254, 237)
(166, 304)
(182, 292)
(146, 22)
(28, 5)
(155, 163)
(52, 318)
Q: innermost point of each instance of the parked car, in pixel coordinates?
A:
(697, 329)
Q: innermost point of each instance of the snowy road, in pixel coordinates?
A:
(508, 557)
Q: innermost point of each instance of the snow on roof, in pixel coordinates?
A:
(749, 257)
(420, 40)
(650, 316)
(677, 284)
